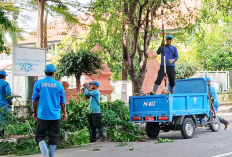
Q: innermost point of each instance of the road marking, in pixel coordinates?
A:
(223, 154)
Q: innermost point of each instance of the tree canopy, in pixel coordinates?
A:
(211, 38)
(131, 25)
(77, 63)
(8, 16)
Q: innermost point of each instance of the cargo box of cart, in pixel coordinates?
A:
(189, 98)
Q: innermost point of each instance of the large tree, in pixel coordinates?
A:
(110, 43)
(212, 36)
(137, 20)
(8, 16)
(54, 7)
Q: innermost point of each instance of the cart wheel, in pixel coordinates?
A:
(187, 128)
(152, 129)
(215, 124)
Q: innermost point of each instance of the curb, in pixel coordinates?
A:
(224, 114)
(226, 104)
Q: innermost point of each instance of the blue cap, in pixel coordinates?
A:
(96, 83)
(207, 79)
(169, 36)
(50, 68)
(3, 73)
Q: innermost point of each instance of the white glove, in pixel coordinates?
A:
(170, 61)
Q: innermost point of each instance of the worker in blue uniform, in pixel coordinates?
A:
(172, 56)
(4, 103)
(48, 100)
(216, 103)
(91, 91)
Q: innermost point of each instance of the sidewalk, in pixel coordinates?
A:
(225, 111)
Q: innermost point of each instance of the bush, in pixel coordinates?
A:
(113, 114)
(80, 137)
(185, 70)
(74, 130)
(14, 125)
(77, 115)
(26, 146)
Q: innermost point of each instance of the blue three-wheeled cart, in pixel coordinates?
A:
(189, 107)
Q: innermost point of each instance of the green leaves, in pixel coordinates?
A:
(160, 140)
(8, 97)
(212, 43)
(8, 15)
(117, 135)
(12, 124)
(26, 146)
(76, 63)
(132, 148)
(185, 70)
(113, 114)
(121, 144)
(80, 138)
(77, 115)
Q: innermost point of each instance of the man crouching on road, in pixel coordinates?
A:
(48, 99)
(92, 92)
(216, 102)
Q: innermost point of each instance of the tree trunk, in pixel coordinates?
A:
(130, 39)
(124, 85)
(39, 42)
(46, 32)
(78, 83)
(137, 86)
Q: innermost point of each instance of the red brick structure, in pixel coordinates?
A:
(153, 67)
(103, 76)
(71, 93)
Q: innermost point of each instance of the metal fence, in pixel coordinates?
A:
(219, 79)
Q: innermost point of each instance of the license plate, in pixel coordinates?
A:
(149, 118)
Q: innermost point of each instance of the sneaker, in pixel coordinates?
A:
(226, 125)
(101, 139)
(92, 140)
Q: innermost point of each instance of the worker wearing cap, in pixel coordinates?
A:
(216, 103)
(4, 90)
(91, 91)
(48, 99)
(171, 54)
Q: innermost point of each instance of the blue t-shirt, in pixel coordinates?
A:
(214, 94)
(94, 104)
(173, 54)
(50, 94)
(4, 90)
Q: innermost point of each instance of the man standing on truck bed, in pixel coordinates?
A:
(171, 54)
(216, 102)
